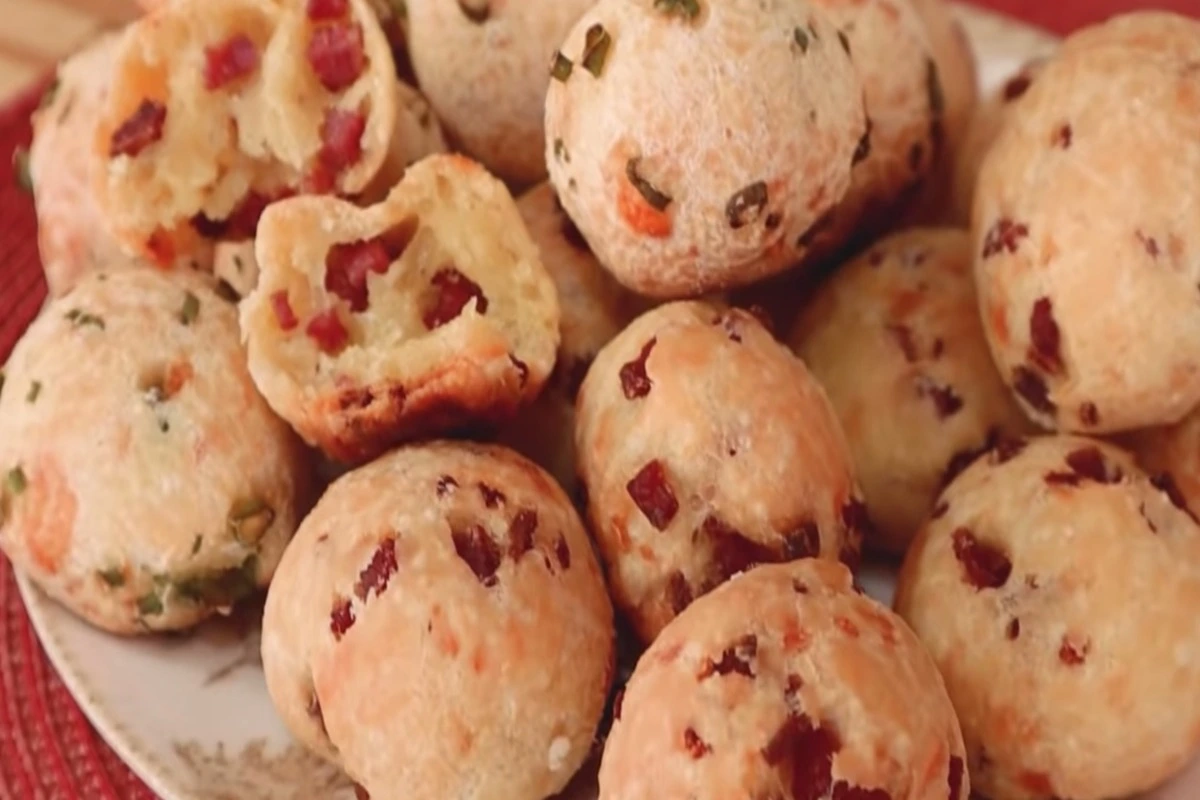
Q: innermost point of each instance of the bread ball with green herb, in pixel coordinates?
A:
(697, 145)
(482, 63)
(145, 484)
(73, 235)
(905, 104)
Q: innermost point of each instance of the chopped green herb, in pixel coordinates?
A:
(227, 293)
(401, 8)
(745, 206)
(16, 481)
(164, 426)
(845, 40)
(21, 173)
(221, 588)
(196, 543)
(149, 605)
(81, 319)
(190, 310)
(688, 9)
(560, 151)
(50, 94)
(657, 200)
(801, 38)
(1, 383)
(933, 85)
(249, 520)
(474, 10)
(595, 49)
(35, 390)
(560, 67)
(238, 264)
(114, 577)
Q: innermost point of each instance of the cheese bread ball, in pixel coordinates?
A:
(219, 107)
(985, 126)
(146, 485)
(1054, 586)
(595, 308)
(905, 106)
(73, 235)
(442, 607)
(700, 146)
(1086, 266)
(416, 316)
(894, 337)
(483, 65)
(705, 447)
(786, 683)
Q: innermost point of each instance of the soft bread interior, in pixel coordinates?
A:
(465, 220)
(260, 132)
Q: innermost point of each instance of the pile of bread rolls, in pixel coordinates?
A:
(492, 263)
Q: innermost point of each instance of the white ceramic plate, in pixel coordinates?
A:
(191, 714)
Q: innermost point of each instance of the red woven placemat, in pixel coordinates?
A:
(48, 751)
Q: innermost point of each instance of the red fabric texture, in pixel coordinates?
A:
(48, 751)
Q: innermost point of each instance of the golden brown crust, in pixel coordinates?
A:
(146, 485)
(894, 337)
(455, 324)
(1055, 583)
(784, 682)
(705, 446)
(447, 588)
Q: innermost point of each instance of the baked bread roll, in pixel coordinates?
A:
(417, 316)
(147, 486)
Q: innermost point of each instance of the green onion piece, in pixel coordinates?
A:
(150, 605)
(560, 67)
(595, 49)
(190, 310)
(249, 521)
(114, 577)
(35, 390)
(16, 480)
(81, 319)
(688, 9)
(801, 38)
(657, 200)
(745, 206)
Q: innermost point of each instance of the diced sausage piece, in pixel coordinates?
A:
(229, 61)
(341, 139)
(139, 131)
(336, 54)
